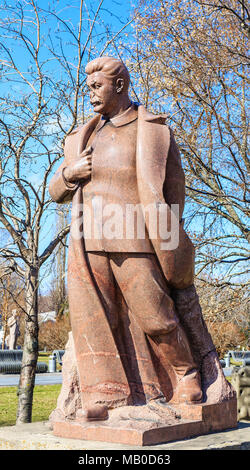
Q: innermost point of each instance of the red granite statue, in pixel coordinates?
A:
(137, 325)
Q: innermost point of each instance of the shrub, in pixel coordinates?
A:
(54, 335)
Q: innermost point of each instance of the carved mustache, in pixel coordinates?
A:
(93, 103)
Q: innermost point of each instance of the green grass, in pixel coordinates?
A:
(44, 401)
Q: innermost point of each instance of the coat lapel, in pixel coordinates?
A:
(153, 143)
(153, 139)
(85, 133)
(78, 138)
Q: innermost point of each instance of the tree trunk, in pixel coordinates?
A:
(30, 349)
(62, 222)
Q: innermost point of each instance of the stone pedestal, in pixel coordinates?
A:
(152, 423)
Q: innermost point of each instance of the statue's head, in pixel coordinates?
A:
(108, 82)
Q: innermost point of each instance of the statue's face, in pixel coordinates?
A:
(104, 93)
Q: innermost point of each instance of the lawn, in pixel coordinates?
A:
(45, 398)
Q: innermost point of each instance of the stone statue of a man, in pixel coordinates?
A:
(14, 332)
(137, 325)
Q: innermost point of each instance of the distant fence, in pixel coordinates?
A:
(11, 362)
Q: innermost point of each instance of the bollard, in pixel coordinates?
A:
(227, 360)
(52, 363)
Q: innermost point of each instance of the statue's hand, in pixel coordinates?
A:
(80, 169)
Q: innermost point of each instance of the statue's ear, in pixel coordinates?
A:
(119, 85)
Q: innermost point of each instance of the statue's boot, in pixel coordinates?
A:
(174, 347)
(93, 412)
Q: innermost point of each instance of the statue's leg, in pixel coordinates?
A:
(93, 317)
(174, 346)
(147, 296)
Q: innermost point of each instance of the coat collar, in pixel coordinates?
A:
(129, 114)
(150, 117)
(126, 117)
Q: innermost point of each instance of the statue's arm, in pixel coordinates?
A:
(60, 189)
(174, 185)
(75, 169)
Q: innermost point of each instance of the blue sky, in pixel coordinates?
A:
(113, 15)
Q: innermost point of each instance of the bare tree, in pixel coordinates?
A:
(226, 311)
(42, 99)
(192, 59)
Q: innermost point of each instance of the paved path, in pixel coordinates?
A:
(12, 380)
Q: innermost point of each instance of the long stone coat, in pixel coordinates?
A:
(99, 352)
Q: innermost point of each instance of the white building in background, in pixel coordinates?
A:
(46, 316)
(42, 318)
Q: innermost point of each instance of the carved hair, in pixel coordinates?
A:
(111, 68)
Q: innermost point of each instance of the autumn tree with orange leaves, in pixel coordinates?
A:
(191, 58)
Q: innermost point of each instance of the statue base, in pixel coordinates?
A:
(152, 423)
